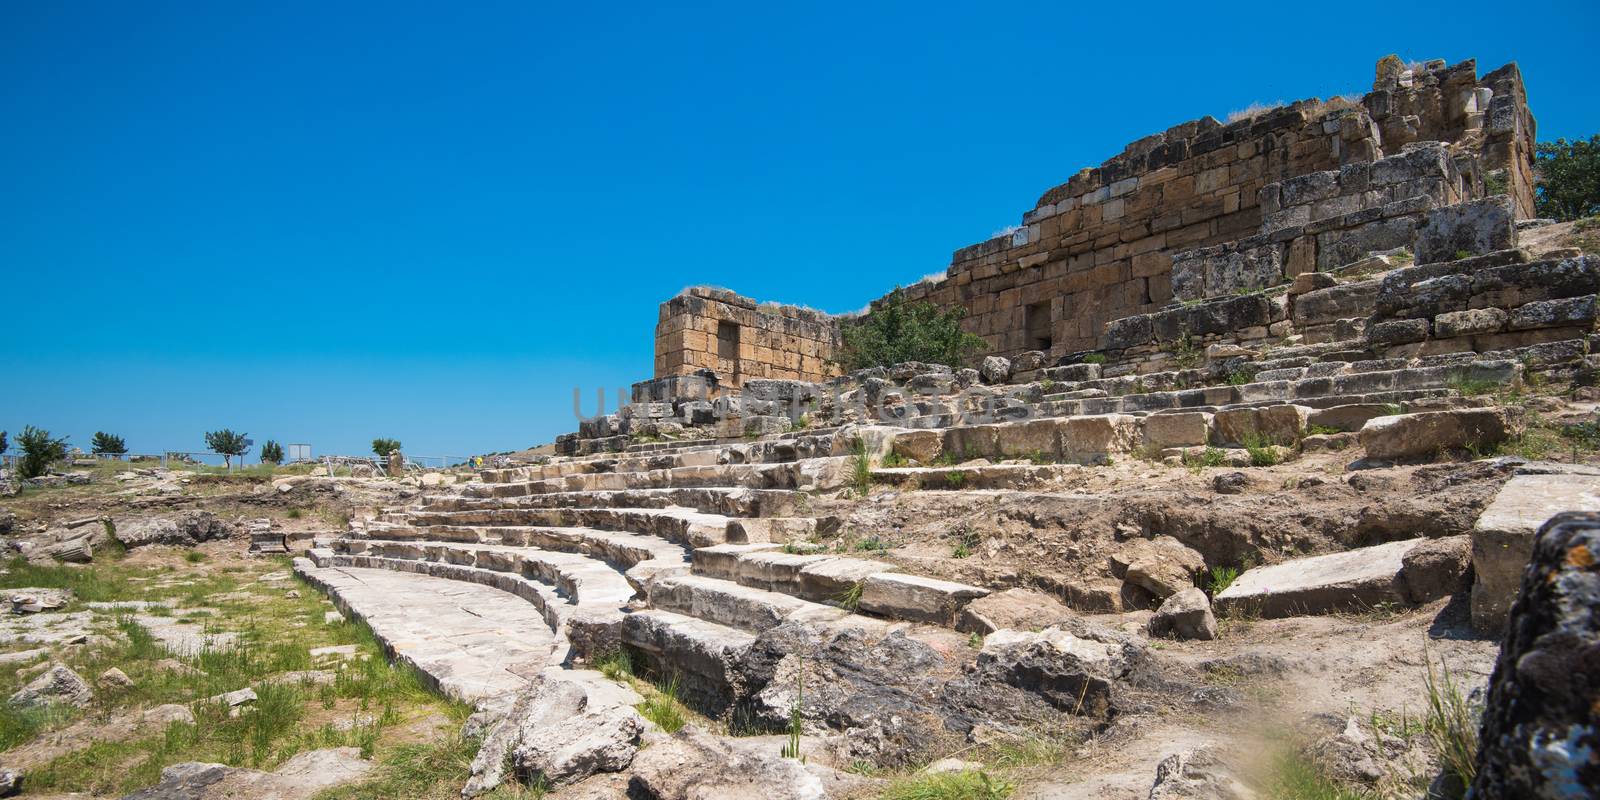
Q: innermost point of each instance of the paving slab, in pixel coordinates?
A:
(471, 641)
(1502, 538)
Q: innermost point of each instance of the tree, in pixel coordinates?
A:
(106, 444)
(383, 447)
(899, 331)
(3, 443)
(39, 451)
(271, 452)
(226, 442)
(1568, 178)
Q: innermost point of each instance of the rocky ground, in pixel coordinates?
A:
(148, 654)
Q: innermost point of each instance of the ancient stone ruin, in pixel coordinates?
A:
(1342, 285)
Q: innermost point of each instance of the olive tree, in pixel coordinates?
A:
(227, 443)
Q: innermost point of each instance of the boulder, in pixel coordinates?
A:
(58, 685)
(1426, 434)
(565, 726)
(184, 530)
(695, 765)
(577, 746)
(1503, 537)
(10, 782)
(994, 369)
(1197, 775)
(1017, 609)
(1437, 568)
(1540, 732)
(1185, 615)
(1162, 566)
(115, 678)
(1072, 673)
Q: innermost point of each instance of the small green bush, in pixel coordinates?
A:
(1221, 578)
(39, 451)
(271, 453)
(966, 785)
(898, 330)
(1095, 358)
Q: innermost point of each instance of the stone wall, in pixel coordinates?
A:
(738, 339)
(1101, 246)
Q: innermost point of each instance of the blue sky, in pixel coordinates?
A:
(326, 222)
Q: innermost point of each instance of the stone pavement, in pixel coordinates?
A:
(472, 641)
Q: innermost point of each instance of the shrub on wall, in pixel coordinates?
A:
(900, 330)
(1569, 178)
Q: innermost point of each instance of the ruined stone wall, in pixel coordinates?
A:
(1101, 246)
(738, 339)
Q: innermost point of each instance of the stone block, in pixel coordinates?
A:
(1347, 417)
(1398, 331)
(1355, 580)
(920, 446)
(1093, 438)
(916, 598)
(1424, 435)
(1184, 429)
(1023, 439)
(1503, 537)
(1554, 313)
(1467, 229)
(1471, 322)
(1281, 424)
(972, 441)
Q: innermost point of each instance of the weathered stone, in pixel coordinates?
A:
(186, 529)
(1092, 439)
(1183, 429)
(115, 678)
(1467, 229)
(994, 369)
(1554, 313)
(1197, 775)
(59, 684)
(577, 746)
(35, 600)
(1437, 568)
(1281, 424)
(1036, 437)
(1471, 322)
(1185, 615)
(916, 598)
(1398, 331)
(1426, 434)
(300, 778)
(695, 765)
(1503, 537)
(922, 447)
(1163, 565)
(1017, 609)
(1540, 732)
(1353, 580)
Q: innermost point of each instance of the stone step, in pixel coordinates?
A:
(639, 557)
(701, 655)
(810, 474)
(682, 525)
(733, 502)
(470, 642)
(990, 476)
(732, 604)
(586, 581)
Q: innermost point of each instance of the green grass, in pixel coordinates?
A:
(1295, 777)
(1451, 725)
(850, 598)
(663, 707)
(955, 479)
(1240, 377)
(1095, 358)
(1261, 450)
(1221, 578)
(861, 470)
(1322, 430)
(1468, 386)
(894, 460)
(615, 665)
(969, 785)
(275, 633)
(871, 544)
(1209, 457)
(434, 769)
(194, 556)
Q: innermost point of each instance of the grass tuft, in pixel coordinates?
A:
(968, 785)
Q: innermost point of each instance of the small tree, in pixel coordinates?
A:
(1568, 177)
(383, 447)
(3, 443)
(39, 451)
(226, 442)
(271, 452)
(106, 444)
(899, 331)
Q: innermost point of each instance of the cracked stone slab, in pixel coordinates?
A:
(473, 641)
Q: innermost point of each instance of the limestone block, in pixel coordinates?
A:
(972, 441)
(1184, 429)
(1023, 439)
(1469, 323)
(1503, 537)
(1472, 228)
(921, 446)
(1554, 313)
(1355, 580)
(1185, 615)
(1398, 331)
(1280, 424)
(994, 369)
(1093, 438)
(1346, 417)
(1406, 436)
(916, 598)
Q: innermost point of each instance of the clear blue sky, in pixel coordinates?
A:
(325, 222)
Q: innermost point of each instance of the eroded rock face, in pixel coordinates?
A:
(566, 726)
(299, 778)
(1197, 775)
(1540, 733)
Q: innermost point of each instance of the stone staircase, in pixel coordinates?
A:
(683, 554)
